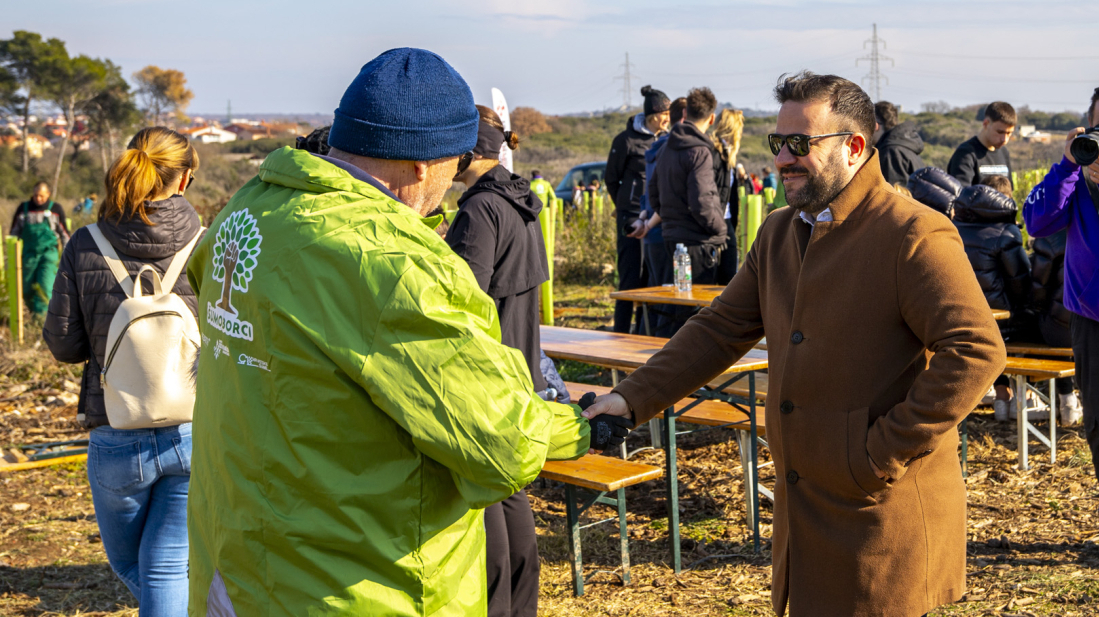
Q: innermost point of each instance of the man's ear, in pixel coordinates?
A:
(421, 170)
(986, 123)
(856, 148)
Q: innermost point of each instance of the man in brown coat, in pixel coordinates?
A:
(880, 343)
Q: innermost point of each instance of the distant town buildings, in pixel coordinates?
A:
(209, 134)
(38, 144)
(251, 130)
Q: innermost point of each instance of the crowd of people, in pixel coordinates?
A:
(371, 400)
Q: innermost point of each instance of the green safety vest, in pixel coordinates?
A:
(544, 190)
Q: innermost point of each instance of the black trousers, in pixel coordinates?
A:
(705, 268)
(511, 546)
(631, 275)
(1085, 346)
(726, 270)
(658, 265)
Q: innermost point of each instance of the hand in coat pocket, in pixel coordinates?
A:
(863, 469)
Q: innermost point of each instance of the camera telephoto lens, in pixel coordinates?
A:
(1085, 148)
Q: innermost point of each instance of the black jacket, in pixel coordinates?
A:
(86, 293)
(935, 189)
(496, 231)
(1048, 289)
(723, 179)
(899, 152)
(625, 175)
(683, 192)
(986, 222)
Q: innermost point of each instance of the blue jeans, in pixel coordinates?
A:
(139, 482)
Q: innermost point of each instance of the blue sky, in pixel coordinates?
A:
(560, 57)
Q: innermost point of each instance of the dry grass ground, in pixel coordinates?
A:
(1032, 536)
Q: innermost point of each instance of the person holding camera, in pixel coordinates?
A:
(1068, 198)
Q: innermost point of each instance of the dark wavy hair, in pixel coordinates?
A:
(846, 99)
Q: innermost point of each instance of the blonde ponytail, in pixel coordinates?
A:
(154, 158)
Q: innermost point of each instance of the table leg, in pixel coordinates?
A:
(751, 498)
(624, 537)
(1053, 421)
(754, 445)
(1021, 419)
(671, 475)
(645, 317)
(572, 517)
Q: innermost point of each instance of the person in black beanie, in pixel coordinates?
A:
(625, 177)
(497, 232)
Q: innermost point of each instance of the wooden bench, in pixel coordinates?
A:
(1038, 349)
(742, 390)
(596, 476)
(707, 413)
(702, 413)
(1018, 370)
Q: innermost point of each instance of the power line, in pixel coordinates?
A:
(875, 58)
(627, 89)
(994, 79)
(1012, 58)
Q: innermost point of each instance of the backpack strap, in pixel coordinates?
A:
(168, 281)
(113, 262)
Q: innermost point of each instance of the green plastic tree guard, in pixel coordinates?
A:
(14, 274)
(752, 218)
(546, 218)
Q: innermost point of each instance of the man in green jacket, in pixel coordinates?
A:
(356, 409)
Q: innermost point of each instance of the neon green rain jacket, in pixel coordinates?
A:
(355, 410)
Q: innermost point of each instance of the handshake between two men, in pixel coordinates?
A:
(610, 419)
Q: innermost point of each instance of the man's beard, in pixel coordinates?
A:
(819, 190)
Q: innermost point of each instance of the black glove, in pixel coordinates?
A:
(606, 431)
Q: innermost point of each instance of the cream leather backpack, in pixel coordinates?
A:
(151, 347)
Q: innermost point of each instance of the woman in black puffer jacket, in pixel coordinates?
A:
(985, 218)
(1054, 320)
(993, 242)
(139, 478)
(935, 189)
(1048, 290)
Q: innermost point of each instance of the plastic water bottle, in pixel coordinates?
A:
(682, 263)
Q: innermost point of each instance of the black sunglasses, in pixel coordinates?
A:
(463, 162)
(192, 180)
(798, 142)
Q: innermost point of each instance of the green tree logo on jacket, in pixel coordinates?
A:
(236, 252)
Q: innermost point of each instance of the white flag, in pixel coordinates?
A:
(500, 106)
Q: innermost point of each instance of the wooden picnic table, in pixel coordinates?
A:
(699, 296)
(623, 352)
(628, 352)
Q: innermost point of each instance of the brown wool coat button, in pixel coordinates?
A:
(792, 477)
(797, 338)
(786, 407)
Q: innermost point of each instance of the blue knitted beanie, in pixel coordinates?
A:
(406, 105)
